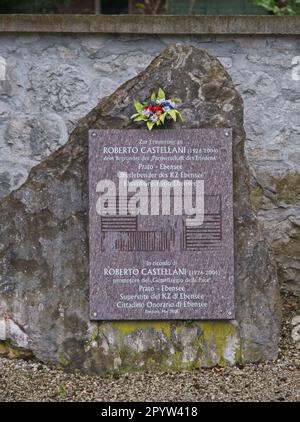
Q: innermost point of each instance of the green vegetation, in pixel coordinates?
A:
(281, 7)
(62, 392)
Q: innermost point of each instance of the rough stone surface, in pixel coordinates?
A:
(64, 77)
(296, 330)
(44, 257)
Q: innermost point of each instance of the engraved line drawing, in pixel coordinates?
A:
(121, 233)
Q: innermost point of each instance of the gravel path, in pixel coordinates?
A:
(270, 381)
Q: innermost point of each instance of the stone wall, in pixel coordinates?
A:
(49, 81)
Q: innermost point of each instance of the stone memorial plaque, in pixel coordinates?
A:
(161, 224)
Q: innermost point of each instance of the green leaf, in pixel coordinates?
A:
(140, 5)
(161, 95)
(134, 115)
(140, 118)
(138, 106)
(172, 113)
(162, 117)
(150, 125)
(179, 114)
(176, 100)
(153, 96)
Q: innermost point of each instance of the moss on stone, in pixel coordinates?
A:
(126, 327)
(131, 361)
(213, 337)
(3, 349)
(288, 188)
(291, 248)
(256, 197)
(216, 335)
(6, 349)
(62, 360)
(94, 334)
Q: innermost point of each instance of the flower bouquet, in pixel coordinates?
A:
(156, 110)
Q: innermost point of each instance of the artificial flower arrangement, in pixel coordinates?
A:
(156, 110)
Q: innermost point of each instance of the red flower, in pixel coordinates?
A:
(154, 109)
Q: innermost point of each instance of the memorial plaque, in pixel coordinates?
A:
(161, 224)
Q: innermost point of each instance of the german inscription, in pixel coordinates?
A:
(161, 224)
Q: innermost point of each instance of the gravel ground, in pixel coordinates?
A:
(270, 381)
